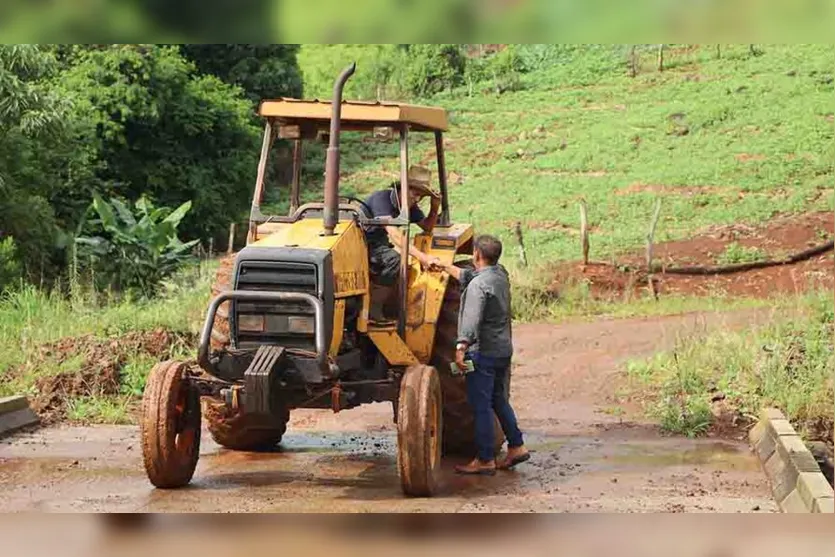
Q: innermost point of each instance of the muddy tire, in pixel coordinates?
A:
(459, 423)
(243, 432)
(170, 426)
(223, 282)
(419, 431)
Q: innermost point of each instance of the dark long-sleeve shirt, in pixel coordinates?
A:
(484, 319)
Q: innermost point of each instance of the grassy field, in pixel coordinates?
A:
(34, 323)
(738, 139)
(788, 364)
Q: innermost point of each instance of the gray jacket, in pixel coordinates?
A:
(484, 321)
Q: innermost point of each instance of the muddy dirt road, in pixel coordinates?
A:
(585, 458)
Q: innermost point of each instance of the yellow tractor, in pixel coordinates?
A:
(289, 327)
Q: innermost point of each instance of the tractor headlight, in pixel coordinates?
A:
(251, 323)
(298, 324)
(271, 323)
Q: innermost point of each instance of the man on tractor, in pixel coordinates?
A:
(384, 259)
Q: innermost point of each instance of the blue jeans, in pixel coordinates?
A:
(487, 393)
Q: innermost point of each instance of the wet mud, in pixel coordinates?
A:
(584, 459)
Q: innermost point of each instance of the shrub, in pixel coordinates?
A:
(134, 251)
(373, 79)
(432, 68)
(736, 253)
(502, 70)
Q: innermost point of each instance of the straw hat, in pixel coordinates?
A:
(419, 178)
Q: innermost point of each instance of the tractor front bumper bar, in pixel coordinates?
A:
(203, 357)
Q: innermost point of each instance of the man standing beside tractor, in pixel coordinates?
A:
(485, 339)
(484, 326)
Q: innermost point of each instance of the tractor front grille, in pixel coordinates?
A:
(288, 324)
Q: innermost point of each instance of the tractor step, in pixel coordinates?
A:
(258, 378)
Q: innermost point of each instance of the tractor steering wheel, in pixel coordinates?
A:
(361, 203)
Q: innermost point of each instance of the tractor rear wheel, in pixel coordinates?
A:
(170, 426)
(419, 431)
(459, 423)
(243, 432)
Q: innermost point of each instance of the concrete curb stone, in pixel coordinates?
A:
(15, 414)
(796, 481)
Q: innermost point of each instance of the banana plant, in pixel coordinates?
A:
(133, 249)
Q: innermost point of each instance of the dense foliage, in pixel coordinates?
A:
(155, 127)
(263, 71)
(32, 132)
(125, 121)
(384, 71)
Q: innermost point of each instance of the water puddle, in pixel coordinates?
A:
(715, 454)
(32, 469)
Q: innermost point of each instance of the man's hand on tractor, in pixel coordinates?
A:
(437, 265)
(425, 261)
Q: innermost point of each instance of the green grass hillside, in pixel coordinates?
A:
(741, 138)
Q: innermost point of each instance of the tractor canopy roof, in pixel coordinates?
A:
(356, 115)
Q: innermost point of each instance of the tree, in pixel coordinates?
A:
(263, 71)
(31, 120)
(154, 126)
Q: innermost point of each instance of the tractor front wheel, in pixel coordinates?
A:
(419, 430)
(170, 426)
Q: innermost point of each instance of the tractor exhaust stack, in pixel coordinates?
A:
(330, 215)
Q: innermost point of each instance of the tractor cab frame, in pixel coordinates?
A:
(309, 120)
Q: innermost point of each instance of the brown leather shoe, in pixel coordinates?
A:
(516, 455)
(477, 467)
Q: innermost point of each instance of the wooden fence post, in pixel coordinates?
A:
(199, 250)
(522, 255)
(584, 231)
(231, 245)
(650, 239)
(661, 58)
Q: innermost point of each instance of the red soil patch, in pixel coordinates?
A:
(776, 240)
(604, 106)
(571, 174)
(640, 187)
(546, 225)
(746, 157)
(101, 362)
